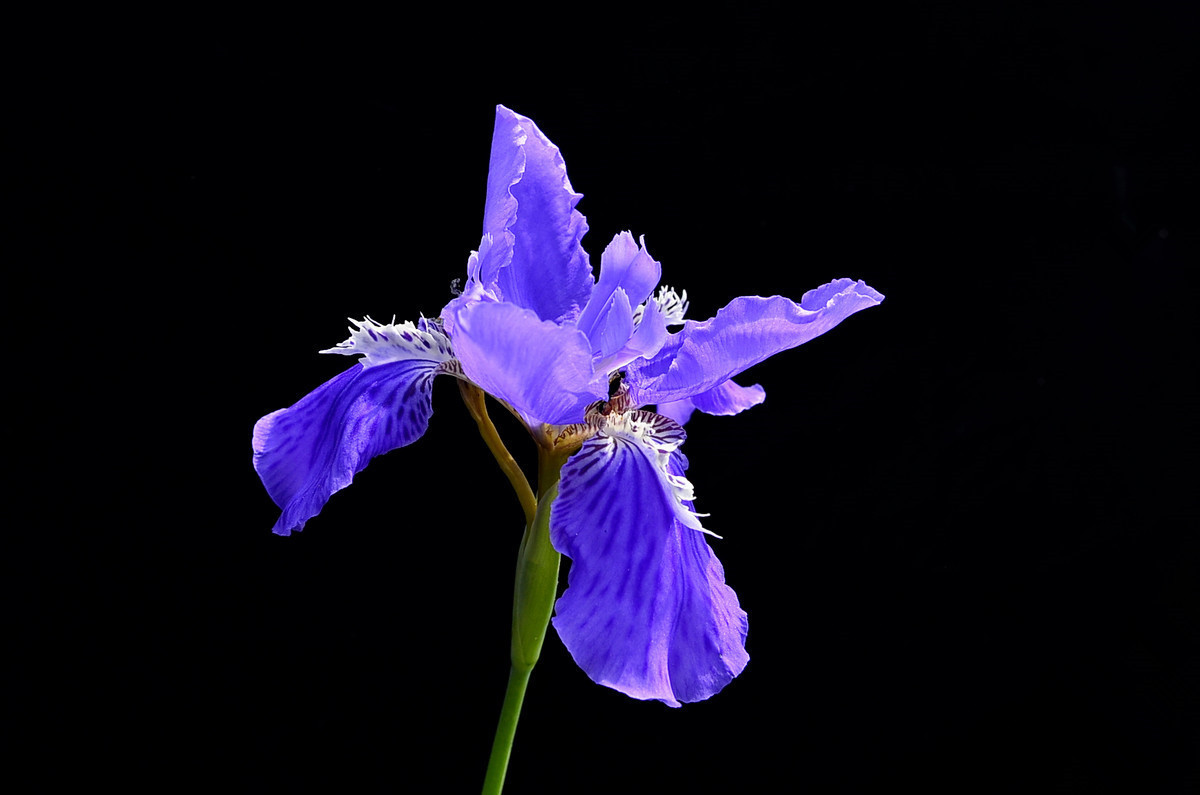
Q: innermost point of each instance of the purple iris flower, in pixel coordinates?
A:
(646, 610)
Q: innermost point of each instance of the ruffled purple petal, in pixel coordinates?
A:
(616, 327)
(647, 339)
(743, 333)
(646, 611)
(482, 267)
(541, 369)
(625, 267)
(505, 169)
(535, 257)
(723, 400)
(308, 451)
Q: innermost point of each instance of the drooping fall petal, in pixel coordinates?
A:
(646, 611)
(308, 451)
(305, 453)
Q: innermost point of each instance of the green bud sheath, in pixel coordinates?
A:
(537, 570)
(533, 602)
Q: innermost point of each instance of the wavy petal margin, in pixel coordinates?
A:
(745, 332)
(537, 257)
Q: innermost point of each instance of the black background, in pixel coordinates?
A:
(963, 522)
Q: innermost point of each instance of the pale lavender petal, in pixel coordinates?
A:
(626, 266)
(678, 410)
(647, 339)
(482, 267)
(530, 214)
(743, 333)
(541, 369)
(646, 611)
(616, 327)
(723, 400)
(505, 169)
(307, 452)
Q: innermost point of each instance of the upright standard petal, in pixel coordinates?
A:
(537, 258)
(305, 453)
(649, 334)
(646, 611)
(625, 268)
(745, 332)
(541, 369)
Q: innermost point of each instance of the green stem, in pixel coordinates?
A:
(533, 602)
(506, 730)
(474, 398)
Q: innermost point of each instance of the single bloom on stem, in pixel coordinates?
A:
(578, 359)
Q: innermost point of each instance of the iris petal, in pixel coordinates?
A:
(723, 400)
(646, 611)
(541, 369)
(536, 256)
(647, 338)
(624, 266)
(745, 332)
(308, 451)
(616, 326)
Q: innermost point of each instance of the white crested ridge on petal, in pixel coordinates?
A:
(660, 437)
(673, 306)
(380, 343)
